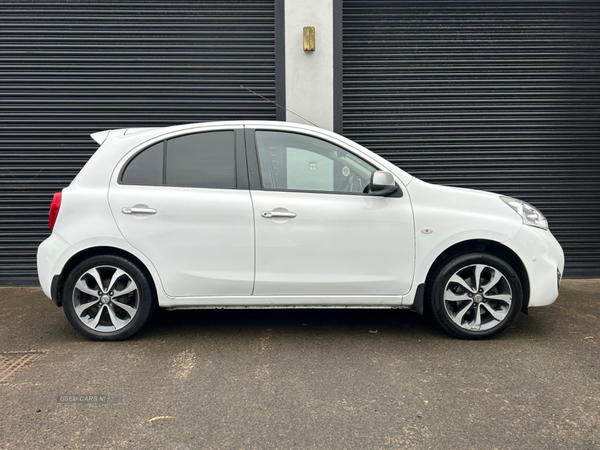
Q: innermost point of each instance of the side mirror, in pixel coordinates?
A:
(382, 183)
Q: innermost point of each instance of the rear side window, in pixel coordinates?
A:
(204, 160)
(146, 168)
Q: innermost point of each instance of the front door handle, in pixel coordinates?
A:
(275, 214)
(137, 210)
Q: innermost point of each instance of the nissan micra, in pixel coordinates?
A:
(282, 215)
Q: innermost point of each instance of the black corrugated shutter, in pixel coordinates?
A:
(501, 96)
(69, 68)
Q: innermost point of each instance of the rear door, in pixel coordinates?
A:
(184, 203)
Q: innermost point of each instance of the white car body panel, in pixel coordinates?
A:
(337, 244)
(52, 256)
(445, 216)
(542, 257)
(422, 224)
(200, 240)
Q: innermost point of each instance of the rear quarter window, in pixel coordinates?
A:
(146, 168)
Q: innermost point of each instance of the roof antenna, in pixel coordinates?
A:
(278, 105)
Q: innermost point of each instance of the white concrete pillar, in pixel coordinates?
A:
(309, 75)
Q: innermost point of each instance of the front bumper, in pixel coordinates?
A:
(544, 262)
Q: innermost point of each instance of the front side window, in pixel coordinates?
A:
(203, 160)
(295, 162)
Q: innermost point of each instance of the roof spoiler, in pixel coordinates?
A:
(102, 136)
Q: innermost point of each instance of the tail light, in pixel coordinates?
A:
(54, 208)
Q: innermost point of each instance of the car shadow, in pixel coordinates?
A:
(399, 323)
(342, 321)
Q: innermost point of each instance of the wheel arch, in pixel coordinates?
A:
(482, 246)
(96, 251)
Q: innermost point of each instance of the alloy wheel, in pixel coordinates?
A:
(105, 298)
(477, 297)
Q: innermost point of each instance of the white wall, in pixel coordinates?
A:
(309, 75)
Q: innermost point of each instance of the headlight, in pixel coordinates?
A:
(531, 216)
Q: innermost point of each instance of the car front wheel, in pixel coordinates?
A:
(107, 298)
(475, 296)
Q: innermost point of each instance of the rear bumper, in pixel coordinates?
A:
(544, 262)
(52, 256)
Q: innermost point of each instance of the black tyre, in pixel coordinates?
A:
(108, 298)
(475, 296)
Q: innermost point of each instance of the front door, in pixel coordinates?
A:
(318, 230)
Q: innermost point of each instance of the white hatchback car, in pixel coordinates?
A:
(274, 214)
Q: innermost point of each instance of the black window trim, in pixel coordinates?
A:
(254, 174)
(241, 174)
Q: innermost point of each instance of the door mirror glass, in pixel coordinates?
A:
(382, 183)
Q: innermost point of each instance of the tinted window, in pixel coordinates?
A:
(290, 161)
(146, 168)
(202, 160)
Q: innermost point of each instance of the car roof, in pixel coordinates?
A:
(101, 136)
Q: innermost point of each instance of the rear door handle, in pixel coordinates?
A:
(137, 210)
(275, 214)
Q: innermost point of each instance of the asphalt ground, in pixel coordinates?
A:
(306, 379)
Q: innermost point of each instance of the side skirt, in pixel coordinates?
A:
(289, 301)
(176, 308)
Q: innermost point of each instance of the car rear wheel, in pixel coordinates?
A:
(108, 298)
(475, 296)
